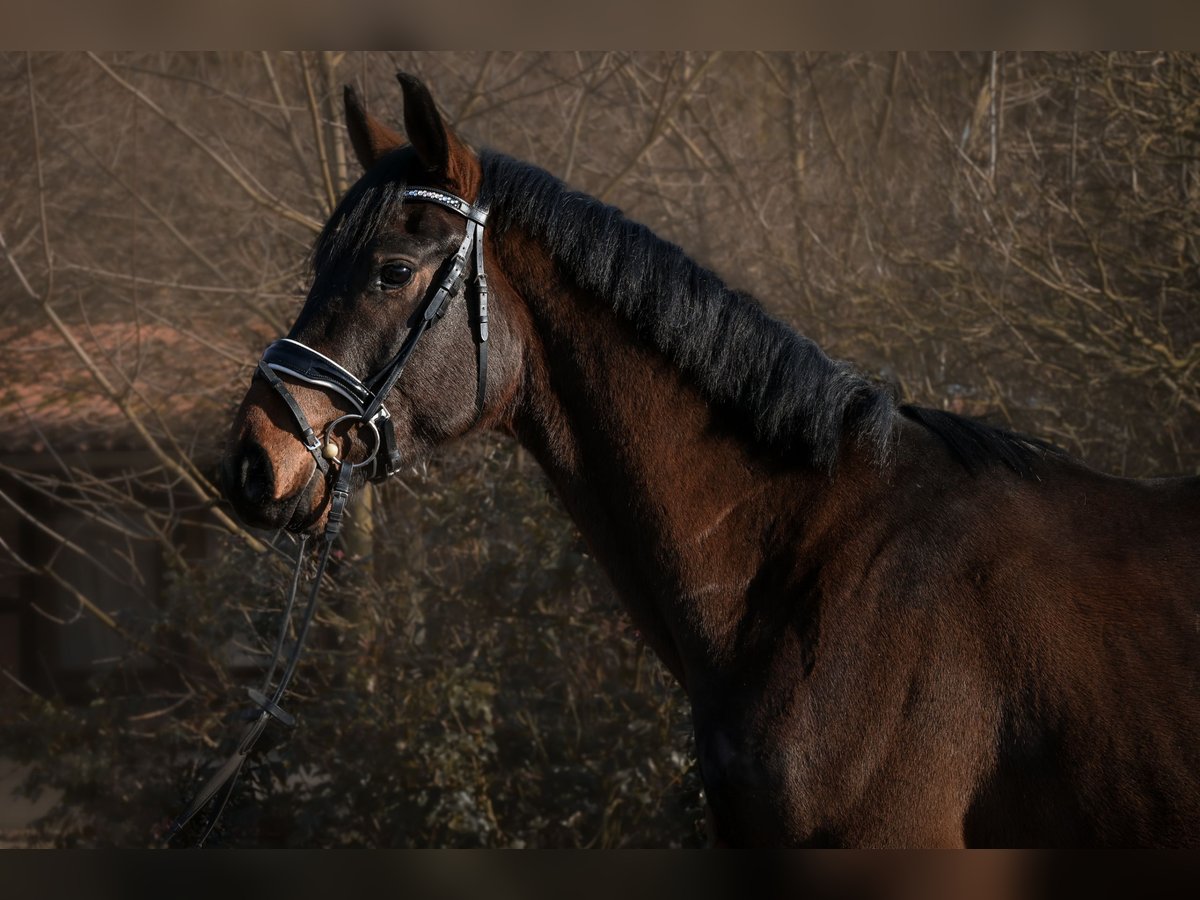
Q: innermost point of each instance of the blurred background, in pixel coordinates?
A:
(1006, 235)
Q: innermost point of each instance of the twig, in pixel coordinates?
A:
(319, 134)
(258, 196)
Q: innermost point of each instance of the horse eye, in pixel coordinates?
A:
(394, 275)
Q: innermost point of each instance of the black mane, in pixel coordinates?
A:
(793, 396)
(790, 395)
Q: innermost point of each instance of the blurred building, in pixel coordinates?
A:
(85, 502)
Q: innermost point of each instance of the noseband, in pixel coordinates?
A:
(297, 360)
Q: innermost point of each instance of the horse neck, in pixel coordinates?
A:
(674, 504)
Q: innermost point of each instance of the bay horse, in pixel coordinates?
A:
(895, 626)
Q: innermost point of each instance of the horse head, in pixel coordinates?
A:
(364, 377)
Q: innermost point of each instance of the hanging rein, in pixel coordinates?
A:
(296, 360)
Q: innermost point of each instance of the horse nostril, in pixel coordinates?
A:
(254, 474)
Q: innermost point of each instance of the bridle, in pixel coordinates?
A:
(291, 357)
(297, 360)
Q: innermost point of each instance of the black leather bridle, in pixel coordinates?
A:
(296, 360)
(291, 357)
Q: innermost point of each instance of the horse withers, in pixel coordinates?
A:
(895, 626)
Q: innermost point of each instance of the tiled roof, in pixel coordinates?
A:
(182, 382)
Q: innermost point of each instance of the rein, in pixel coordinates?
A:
(297, 360)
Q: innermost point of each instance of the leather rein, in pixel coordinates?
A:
(296, 360)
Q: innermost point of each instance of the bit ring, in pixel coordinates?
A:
(328, 434)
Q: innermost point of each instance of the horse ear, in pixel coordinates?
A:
(438, 147)
(372, 139)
